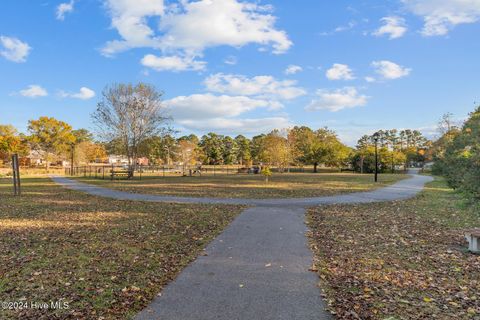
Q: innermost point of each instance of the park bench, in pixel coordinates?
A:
(473, 238)
(254, 170)
(121, 173)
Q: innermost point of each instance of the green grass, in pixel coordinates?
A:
(403, 259)
(285, 185)
(106, 258)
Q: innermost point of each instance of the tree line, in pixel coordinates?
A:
(130, 120)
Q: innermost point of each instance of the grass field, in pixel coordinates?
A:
(107, 259)
(285, 185)
(398, 260)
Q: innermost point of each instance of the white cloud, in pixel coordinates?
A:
(64, 8)
(237, 126)
(370, 79)
(340, 72)
(222, 113)
(206, 106)
(349, 26)
(393, 26)
(186, 29)
(337, 100)
(130, 18)
(263, 86)
(84, 94)
(172, 63)
(440, 16)
(292, 69)
(209, 23)
(390, 70)
(14, 49)
(34, 91)
(231, 60)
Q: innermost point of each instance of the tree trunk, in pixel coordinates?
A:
(315, 165)
(47, 162)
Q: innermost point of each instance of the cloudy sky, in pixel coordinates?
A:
(247, 67)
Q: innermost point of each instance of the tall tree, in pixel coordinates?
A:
(275, 151)
(50, 136)
(213, 148)
(230, 150)
(187, 153)
(82, 135)
(256, 147)
(11, 142)
(244, 155)
(130, 114)
(318, 147)
(84, 145)
(159, 149)
(191, 137)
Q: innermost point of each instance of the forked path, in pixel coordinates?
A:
(258, 267)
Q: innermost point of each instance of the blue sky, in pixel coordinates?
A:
(247, 67)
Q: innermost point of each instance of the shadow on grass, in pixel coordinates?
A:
(107, 258)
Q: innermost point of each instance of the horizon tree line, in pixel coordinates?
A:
(130, 120)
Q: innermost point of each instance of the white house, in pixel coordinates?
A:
(116, 159)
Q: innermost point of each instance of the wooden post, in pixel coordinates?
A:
(16, 175)
(71, 159)
(14, 172)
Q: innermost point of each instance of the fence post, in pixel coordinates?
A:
(16, 175)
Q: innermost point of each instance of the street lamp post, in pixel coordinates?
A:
(375, 138)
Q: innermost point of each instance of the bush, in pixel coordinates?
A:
(461, 162)
(266, 172)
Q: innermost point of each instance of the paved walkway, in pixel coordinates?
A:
(258, 267)
(401, 190)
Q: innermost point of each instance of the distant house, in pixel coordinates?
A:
(142, 161)
(34, 158)
(63, 163)
(117, 159)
